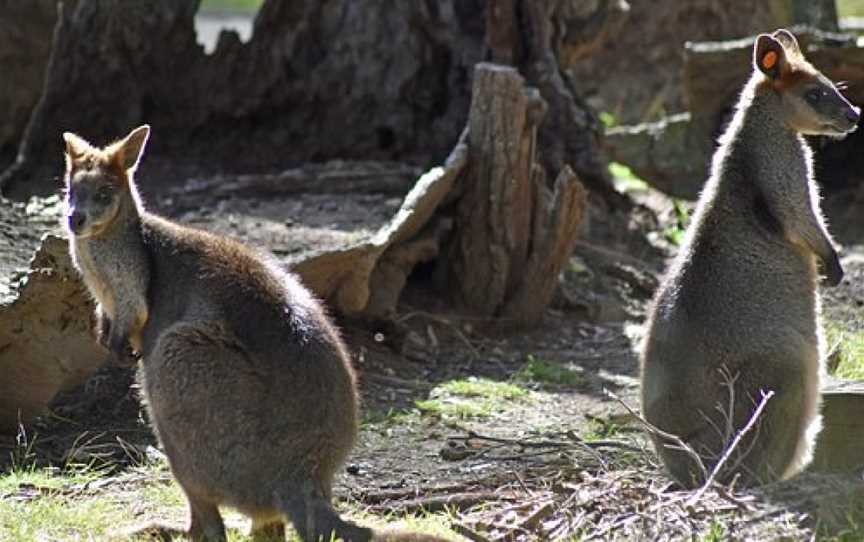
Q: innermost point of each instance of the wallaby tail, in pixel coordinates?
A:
(315, 519)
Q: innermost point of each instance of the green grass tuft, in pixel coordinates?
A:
(675, 233)
(546, 372)
(232, 5)
(624, 179)
(471, 398)
(849, 347)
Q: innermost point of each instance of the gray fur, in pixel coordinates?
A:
(741, 297)
(248, 385)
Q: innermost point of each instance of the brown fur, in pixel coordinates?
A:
(248, 385)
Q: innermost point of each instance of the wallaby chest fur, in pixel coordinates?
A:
(738, 312)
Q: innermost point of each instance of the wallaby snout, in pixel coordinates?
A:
(76, 221)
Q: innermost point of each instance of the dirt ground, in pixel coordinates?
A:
(516, 436)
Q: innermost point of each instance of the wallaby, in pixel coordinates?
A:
(248, 385)
(738, 312)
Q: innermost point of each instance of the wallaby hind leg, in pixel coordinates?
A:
(205, 522)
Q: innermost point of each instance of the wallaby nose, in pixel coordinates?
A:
(853, 114)
(76, 221)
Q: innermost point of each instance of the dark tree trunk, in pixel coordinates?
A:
(318, 80)
(25, 43)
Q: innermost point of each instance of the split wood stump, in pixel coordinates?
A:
(840, 445)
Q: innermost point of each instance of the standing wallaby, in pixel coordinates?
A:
(248, 385)
(738, 313)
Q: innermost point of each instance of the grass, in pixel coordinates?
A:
(607, 119)
(599, 429)
(431, 523)
(544, 372)
(850, 8)
(68, 504)
(232, 5)
(849, 346)
(716, 532)
(387, 418)
(675, 233)
(624, 179)
(471, 398)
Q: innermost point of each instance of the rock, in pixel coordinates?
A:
(667, 154)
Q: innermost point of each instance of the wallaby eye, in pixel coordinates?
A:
(813, 95)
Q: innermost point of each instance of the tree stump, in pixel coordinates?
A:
(511, 234)
(840, 445)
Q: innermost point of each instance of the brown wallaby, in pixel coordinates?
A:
(738, 313)
(248, 385)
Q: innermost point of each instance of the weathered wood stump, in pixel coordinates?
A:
(840, 446)
(46, 343)
(512, 234)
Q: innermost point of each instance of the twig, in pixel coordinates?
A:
(654, 430)
(522, 483)
(435, 503)
(728, 453)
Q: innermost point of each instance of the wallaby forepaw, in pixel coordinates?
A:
(122, 351)
(832, 271)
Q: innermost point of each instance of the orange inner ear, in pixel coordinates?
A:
(769, 59)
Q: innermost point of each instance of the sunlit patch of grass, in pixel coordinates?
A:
(624, 179)
(47, 479)
(545, 372)
(600, 429)
(607, 119)
(471, 398)
(848, 347)
(716, 532)
(232, 5)
(58, 518)
(483, 387)
(387, 418)
(430, 523)
(850, 8)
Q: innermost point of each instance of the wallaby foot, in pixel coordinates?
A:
(267, 531)
(205, 522)
(314, 518)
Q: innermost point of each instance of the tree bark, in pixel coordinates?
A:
(25, 44)
(306, 87)
(512, 234)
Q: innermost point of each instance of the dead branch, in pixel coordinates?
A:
(656, 431)
(710, 480)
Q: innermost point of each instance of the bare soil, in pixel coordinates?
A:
(566, 460)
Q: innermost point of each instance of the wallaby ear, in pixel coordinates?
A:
(788, 40)
(130, 149)
(769, 56)
(76, 146)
